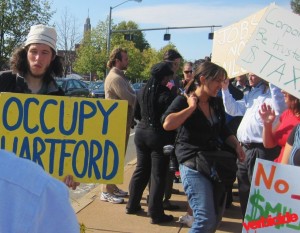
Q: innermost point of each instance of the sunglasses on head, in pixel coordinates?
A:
(188, 71)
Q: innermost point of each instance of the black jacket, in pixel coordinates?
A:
(10, 82)
(197, 132)
(163, 99)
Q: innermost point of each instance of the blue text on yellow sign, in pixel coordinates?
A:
(83, 137)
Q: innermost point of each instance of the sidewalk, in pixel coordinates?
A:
(99, 216)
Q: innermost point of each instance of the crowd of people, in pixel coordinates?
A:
(204, 112)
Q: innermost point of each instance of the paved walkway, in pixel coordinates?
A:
(99, 216)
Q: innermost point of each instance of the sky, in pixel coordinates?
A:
(191, 43)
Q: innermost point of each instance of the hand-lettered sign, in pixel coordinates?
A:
(274, 199)
(83, 137)
(229, 42)
(273, 52)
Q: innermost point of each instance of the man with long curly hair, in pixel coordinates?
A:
(33, 68)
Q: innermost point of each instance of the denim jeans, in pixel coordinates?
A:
(199, 191)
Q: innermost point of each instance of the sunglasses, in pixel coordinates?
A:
(188, 71)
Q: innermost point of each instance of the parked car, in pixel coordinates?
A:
(85, 83)
(72, 87)
(138, 86)
(98, 91)
(74, 76)
(95, 85)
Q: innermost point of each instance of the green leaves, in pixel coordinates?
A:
(16, 18)
(295, 5)
(92, 54)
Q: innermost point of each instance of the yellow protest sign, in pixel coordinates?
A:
(273, 50)
(83, 137)
(229, 42)
(274, 199)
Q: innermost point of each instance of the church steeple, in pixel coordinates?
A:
(87, 25)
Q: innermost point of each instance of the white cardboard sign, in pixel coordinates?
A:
(229, 42)
(274, 199)
(273, 51)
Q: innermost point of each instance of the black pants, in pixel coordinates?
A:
(245, 169)
(151, 164)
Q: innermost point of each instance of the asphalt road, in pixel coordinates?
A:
(131, 151)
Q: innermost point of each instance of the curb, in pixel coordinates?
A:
(88, 198)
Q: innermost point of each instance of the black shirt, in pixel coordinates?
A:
(163, 101)
(198, 133)
(10, 82)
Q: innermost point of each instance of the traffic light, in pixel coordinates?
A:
(128, 37)
(167, 36)
(211, 36)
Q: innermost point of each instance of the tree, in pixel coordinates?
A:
(98, 46)
(16, 18)
(91, 55)
(100, 35)
(135, 48)
(68, 37)
(87, 61)
(150, 57)
(135, 66)
(295, 5)
(137, 37)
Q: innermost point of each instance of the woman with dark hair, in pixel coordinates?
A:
(200, 117)
(278, 135)
(150, 138)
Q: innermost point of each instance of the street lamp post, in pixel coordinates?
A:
(109, 24)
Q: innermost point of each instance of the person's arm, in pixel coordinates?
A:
(286, 153)
(288, 147)
(176, 119)
(234, 143)
(267, 115)
(232, 107)
(277, 99)
(124, 91)
(70, 182)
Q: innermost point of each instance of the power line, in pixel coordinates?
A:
(167, 28)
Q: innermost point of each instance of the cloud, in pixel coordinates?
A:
(181, 15)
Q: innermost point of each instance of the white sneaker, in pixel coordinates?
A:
(120, 193)
(111, 198)
(186, 219)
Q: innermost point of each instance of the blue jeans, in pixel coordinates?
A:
(199, 191)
